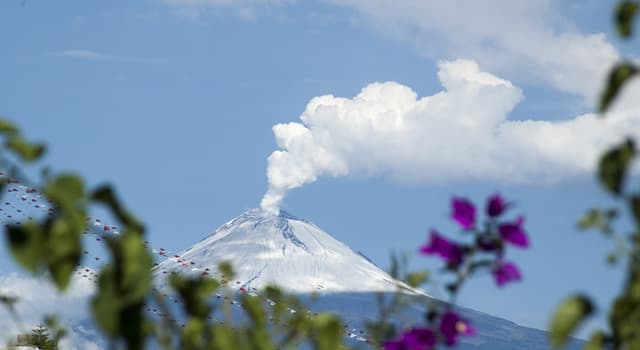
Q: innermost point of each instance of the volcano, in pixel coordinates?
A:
(299, 257)
(295, 254)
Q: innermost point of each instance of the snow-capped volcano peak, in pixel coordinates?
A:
(266, 248)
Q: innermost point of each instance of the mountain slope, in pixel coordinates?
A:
(294, 253)
(301, 258)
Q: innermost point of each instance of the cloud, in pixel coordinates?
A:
(527, 39)
(96, 56)
(459, 133)
(38, 298)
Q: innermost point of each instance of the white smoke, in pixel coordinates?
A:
(459, 133)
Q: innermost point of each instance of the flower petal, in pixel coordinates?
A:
(496, 206)
(463, 212)
(514, 233)
(506, 272)
(438, 245)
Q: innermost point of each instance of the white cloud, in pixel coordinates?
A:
(526, 39)
(96, 56)
(460, 133)
(38, 298)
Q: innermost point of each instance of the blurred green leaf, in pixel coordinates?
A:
(105, 304)
(255, 311)
(567, 317)
(226, 269)
(634, 203)
(625, 14)
(64, 249)
(327, 332)
(595, 342)
(618, 76)
(223, 337)
(193, 335)
(598, 219)
(66, 191)
(107, 196)
(7, 127)
(195, 292)
(54, 245)
(614, 164)
(27, 244)
(118, 304)
(417, 278)
(624, 318)
(24, 149)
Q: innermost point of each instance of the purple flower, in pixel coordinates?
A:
(496, 205)
(452, 326)
(395, 345)
(450, 252)
(418, 338)
(463, 212)
(506, 272)
(514, 233)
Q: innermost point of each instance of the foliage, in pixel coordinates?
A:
(613, 171)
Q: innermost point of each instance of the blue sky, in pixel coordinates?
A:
(174, 102)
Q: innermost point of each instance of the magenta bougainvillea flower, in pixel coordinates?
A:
(506, 272)
(447, 250)
(418, 338)
(496, 206)
(512, 232)
(463, 212)
(452, 326)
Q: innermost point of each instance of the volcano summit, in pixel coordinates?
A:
(282, 249)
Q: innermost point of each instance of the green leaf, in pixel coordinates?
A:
(55, 245)
(64, 249)
(634, 203)
(624, 317)
(105, 304)
(567, 317)
(417, 278)
(598, 219)
(118, 305)
(7, 127)
(195, 292)
(27, 244)
(625, 15)
(67, 191)
(613, 166)
(327, 332)
(223, 337)
(618, 76)
(226, 269)
(107, 196)
(596, 341)
(25, 150)
(134, 265)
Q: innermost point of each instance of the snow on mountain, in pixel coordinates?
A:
(301, 258)
(293, 253)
